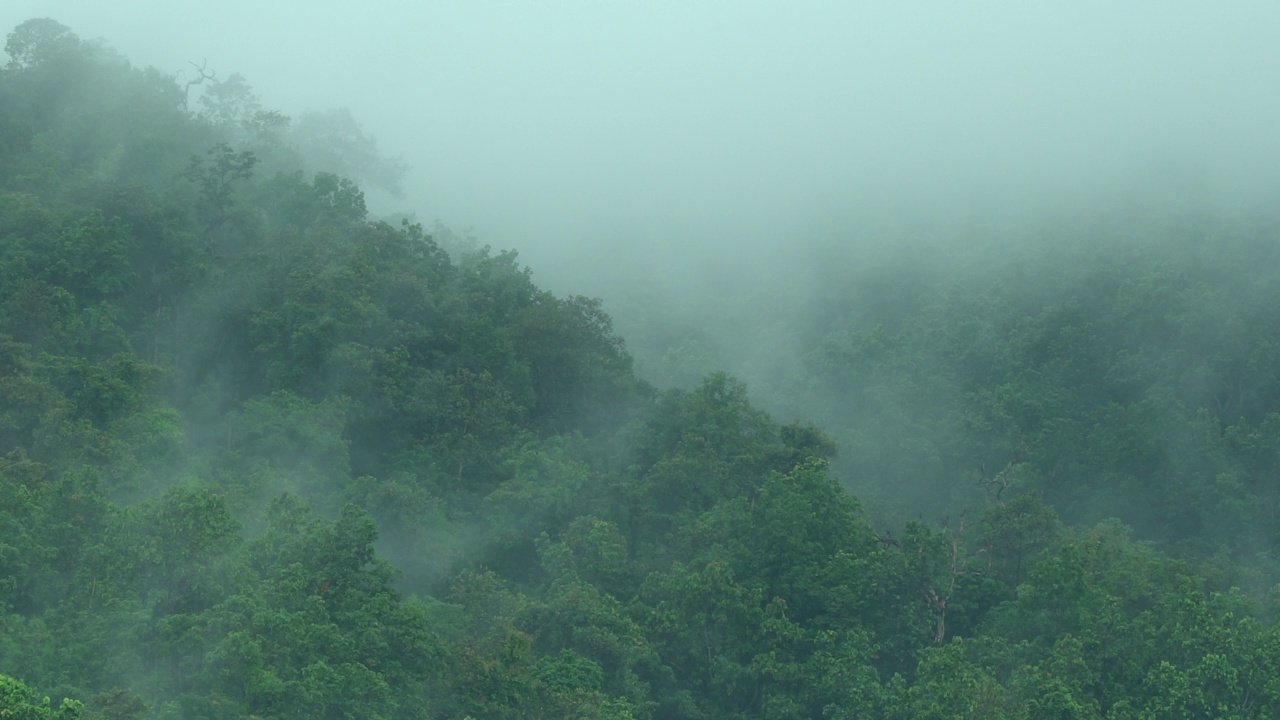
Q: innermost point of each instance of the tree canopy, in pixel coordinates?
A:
(264, 455)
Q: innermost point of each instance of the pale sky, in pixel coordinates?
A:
(546, 125)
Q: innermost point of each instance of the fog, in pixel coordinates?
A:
(573, 130)
(994, 262)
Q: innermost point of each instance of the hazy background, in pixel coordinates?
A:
(574, 130)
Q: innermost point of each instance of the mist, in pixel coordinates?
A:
(580, 133)
(744, 184)
(726, 175)
(639, 361)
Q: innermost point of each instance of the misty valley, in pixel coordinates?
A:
(269, 452)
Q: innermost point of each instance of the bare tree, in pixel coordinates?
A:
(202, 73)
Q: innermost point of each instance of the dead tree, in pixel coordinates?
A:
(958, 565)
(202, 73)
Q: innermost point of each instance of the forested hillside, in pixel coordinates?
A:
(263, 455)
(1117, 360)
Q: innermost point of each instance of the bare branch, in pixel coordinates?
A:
(202, 73)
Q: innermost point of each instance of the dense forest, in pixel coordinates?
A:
(263, 455)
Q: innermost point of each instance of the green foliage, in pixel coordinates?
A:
(204, 336)
(21, 703)
(216, 178)
(39, 41)
(335, 143)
